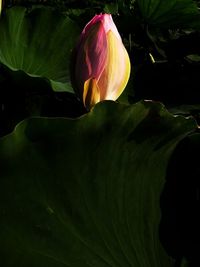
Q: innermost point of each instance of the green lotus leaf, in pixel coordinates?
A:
(170, 13)
(39, 43)
(86, 191)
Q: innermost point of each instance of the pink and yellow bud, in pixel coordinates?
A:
(101, 66)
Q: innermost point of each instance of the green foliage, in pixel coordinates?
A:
(38, 43)
(171, 13)
(86, 192)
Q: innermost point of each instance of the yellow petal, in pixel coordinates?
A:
(1, 6)
(91, 93)
(115, 76)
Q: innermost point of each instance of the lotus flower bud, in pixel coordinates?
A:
(101, 65)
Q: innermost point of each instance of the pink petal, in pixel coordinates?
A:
(107, 21)
(92, 53)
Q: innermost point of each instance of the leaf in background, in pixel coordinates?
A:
(170, 13)
(184, 263)
(38, 43)
(111, 8)
(85, 192)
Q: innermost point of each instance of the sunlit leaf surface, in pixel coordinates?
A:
(39, 43)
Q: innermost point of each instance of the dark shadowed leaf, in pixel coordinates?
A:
(38, 43)
(170, 13)
(85, 192)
